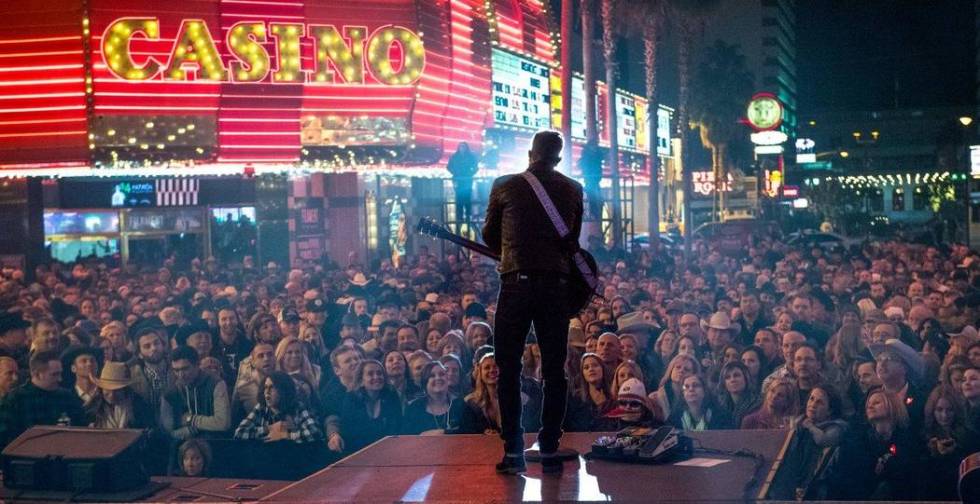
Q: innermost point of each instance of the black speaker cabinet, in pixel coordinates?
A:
(74, 459)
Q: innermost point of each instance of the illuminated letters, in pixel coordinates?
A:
(195, 45)
(245, 43)
(379, 55)
(349, 60)
(287, 36)
(394, 55)
(115, 47)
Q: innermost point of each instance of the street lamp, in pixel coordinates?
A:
(844, 153)
(966, 120)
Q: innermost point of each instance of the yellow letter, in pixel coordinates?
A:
(195, 45)
(379, 55)
(348, 59)
(245, 43)
(287, 35)
(115, 47)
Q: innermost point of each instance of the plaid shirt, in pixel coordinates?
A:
(28, 406)
(303, 426)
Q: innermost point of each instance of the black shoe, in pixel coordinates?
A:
(512, 465)
(551, 464)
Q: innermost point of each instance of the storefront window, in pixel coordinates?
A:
(920, 198)
(898, 199)
(58, 222)
(876, 200)
(233, 233)
(74, 250)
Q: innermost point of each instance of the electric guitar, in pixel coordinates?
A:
(580, 292)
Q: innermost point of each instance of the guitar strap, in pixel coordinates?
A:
(560, 227)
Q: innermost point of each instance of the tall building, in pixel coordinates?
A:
(765, 30)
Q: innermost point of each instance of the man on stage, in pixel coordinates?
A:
(535, 268)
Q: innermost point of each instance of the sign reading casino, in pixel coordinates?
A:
(340, 54)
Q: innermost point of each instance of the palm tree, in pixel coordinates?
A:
(609, 34)
(646, 18)
(688, 15)
(719, 91)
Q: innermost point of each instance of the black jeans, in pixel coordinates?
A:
(525, 299)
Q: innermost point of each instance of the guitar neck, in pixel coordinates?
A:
(479, 248)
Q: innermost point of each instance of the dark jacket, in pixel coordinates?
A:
(855, 478)
(518, 228)
(28, 406)
(418, 420)
(358, 429)
(475, 421)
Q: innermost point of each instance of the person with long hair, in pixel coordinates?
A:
(669, 394)
(737, 391)
(590, 397)
(699, 411)
(816, 435)
(780, 404)
(292, 359)
(757, 363)
(396, 369)
(843, 349)
(624, 371)
(280, 415)
(882, 459)
(312, 338)
(458, 385)
(482, 412)
(946, 439)
(437, 411)
(194, 458)
(372, 410)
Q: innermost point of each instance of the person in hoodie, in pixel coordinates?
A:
(197, 404)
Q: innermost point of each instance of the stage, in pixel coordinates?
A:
(460, 469)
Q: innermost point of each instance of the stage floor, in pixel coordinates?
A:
(460, 469)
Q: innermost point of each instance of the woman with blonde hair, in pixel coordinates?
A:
(882, 460)
(481, 414)
(310, 335)
(780, 405)
(669, 394)
(624, 371)
(292, 359)
(114, 343)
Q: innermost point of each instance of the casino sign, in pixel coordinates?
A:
(342, 49)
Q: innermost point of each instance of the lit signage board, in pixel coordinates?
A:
(394, 55)
(521, 92)
(704, 183)
(626, 121)
(975, 161)
(765, 112)
(134, 194)
(664, 116)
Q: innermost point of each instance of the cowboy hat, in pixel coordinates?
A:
(720, 321)
(634, 323)
(359, 280)
(913, 360)
(114, 376)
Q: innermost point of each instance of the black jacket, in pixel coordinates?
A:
(518, 228)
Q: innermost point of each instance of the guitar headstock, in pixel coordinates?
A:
(429, 227)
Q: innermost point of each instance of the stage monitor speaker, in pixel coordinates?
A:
(75, 459)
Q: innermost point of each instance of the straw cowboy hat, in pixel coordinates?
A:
(913, 360)
(115, 376)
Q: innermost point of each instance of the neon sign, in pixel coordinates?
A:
(393, 55)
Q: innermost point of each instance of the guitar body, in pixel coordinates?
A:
(581, 293)
(585, 271)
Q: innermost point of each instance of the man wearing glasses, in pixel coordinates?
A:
(197, 403)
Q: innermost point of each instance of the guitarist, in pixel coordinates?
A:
(535, 269)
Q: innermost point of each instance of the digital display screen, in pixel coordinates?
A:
(133, 194)
(59, 222)
(521, 92)
(626, 121)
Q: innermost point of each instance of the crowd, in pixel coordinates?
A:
(869, 356)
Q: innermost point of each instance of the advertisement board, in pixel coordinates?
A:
(521, 92)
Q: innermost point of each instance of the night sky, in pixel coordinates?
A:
(852, 52)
